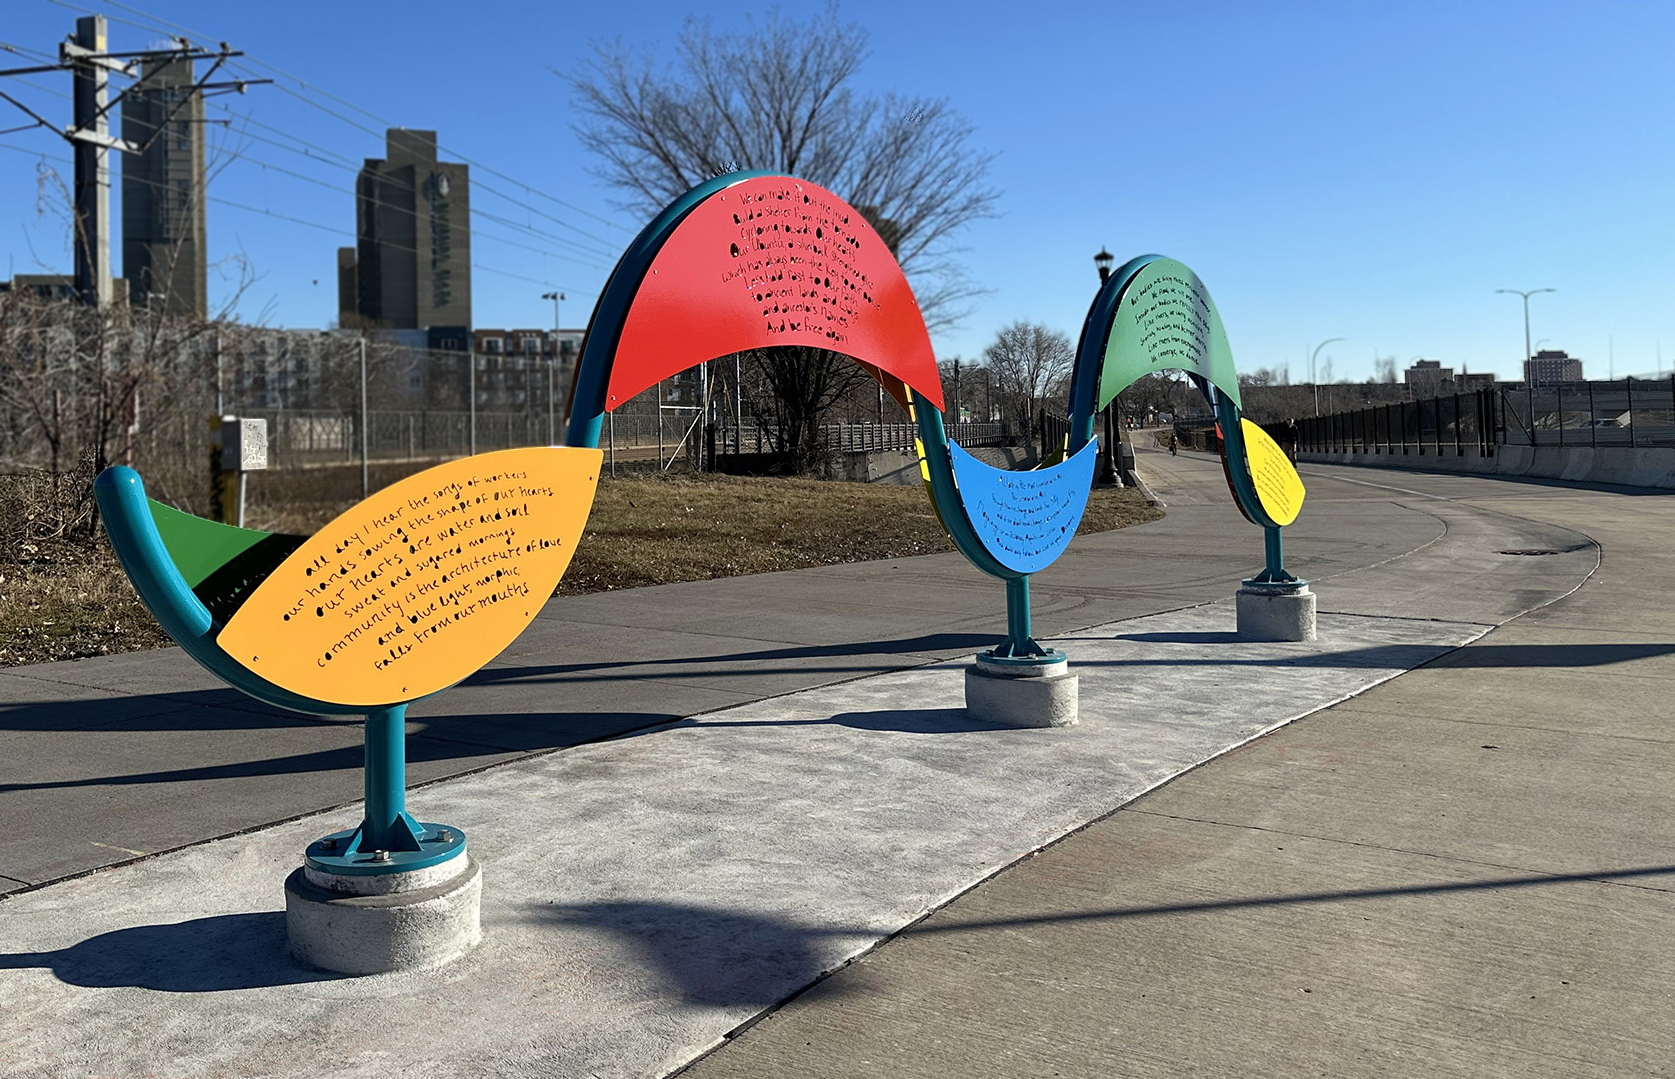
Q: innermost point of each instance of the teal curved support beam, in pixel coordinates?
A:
(593, 372)
(1090, 350)
(386, 825)
(1235, 459)
(933, 438)
(122, 504)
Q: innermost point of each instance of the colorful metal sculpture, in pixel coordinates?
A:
(753, 260)
(1154, 314)
(401, 596)
(418, 586)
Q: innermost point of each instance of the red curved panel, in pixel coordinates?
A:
(772, 261)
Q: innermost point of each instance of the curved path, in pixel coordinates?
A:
(1460, 870)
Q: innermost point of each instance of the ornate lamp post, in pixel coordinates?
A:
(1107, 461)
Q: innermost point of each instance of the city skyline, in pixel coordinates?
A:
(1329, 174)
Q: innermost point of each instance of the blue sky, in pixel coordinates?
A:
(1371, 171)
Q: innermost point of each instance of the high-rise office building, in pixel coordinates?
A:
(411, 265)
(163, 228)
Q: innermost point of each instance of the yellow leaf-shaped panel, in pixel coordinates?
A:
(1276, 481)
(421, 584)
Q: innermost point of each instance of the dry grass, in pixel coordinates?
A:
(69, 598)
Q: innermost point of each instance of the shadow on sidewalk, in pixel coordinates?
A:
(1608, 876)
(702, 955)
(930, 643)
(899, 720)
(203, 955)
(1391, 655)
(442, 738)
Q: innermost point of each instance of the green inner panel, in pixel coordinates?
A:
(1166, 320)
(199, 547)
(222, 564)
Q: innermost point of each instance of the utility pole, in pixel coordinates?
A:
(84, 55)
(92, 151)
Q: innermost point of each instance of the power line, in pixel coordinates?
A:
(487, 188)
(349, 165)
(159, 25)
(479, 212)
(314, 224)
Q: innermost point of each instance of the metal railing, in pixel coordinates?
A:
(1632, 412)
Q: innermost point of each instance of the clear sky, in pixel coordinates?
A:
(1370, 171)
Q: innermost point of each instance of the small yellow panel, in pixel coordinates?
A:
(1277, 483)
(421, 584)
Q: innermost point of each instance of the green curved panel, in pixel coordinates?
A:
(197, 546)
(1165, 320)
(220, 563)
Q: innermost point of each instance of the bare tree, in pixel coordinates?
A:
(1028, 362)
(778, 97)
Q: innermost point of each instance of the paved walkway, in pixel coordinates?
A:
(1465, 871)
(646, 897)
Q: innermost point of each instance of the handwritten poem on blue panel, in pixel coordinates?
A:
(1025, 519)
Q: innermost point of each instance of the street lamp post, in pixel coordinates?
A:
(1312, 381)
(552, 393)
(1107, 463)
(1525, 296)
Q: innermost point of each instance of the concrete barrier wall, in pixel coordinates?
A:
(1631, 466)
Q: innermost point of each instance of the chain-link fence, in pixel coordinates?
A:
(346, 411)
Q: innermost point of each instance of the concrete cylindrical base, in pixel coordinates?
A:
(1276, 612)
(1042, 695)
(370, 924)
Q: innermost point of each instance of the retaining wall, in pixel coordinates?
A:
(1630, 466)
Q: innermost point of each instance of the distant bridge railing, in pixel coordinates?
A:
(1630, 412)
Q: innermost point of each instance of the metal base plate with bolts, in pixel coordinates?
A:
(1276, 611)
(340, 852)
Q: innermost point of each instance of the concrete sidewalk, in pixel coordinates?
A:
(649, 896)
(1465, 871)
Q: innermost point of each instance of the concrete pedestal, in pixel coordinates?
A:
(1276, 612)
(387, 921)
(1022, 694)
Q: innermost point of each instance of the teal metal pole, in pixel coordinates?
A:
(386, 780)
(1276, 561)
(1017, 616)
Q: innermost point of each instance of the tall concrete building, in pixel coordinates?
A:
(163, 192)
(411, 265)
(1552, 365)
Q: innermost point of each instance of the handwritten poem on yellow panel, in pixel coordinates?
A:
(420, 585)
(1278, 486)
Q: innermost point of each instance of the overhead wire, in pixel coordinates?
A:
(161, 25)
(324, 155)
(321, 154)
(309, 224)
